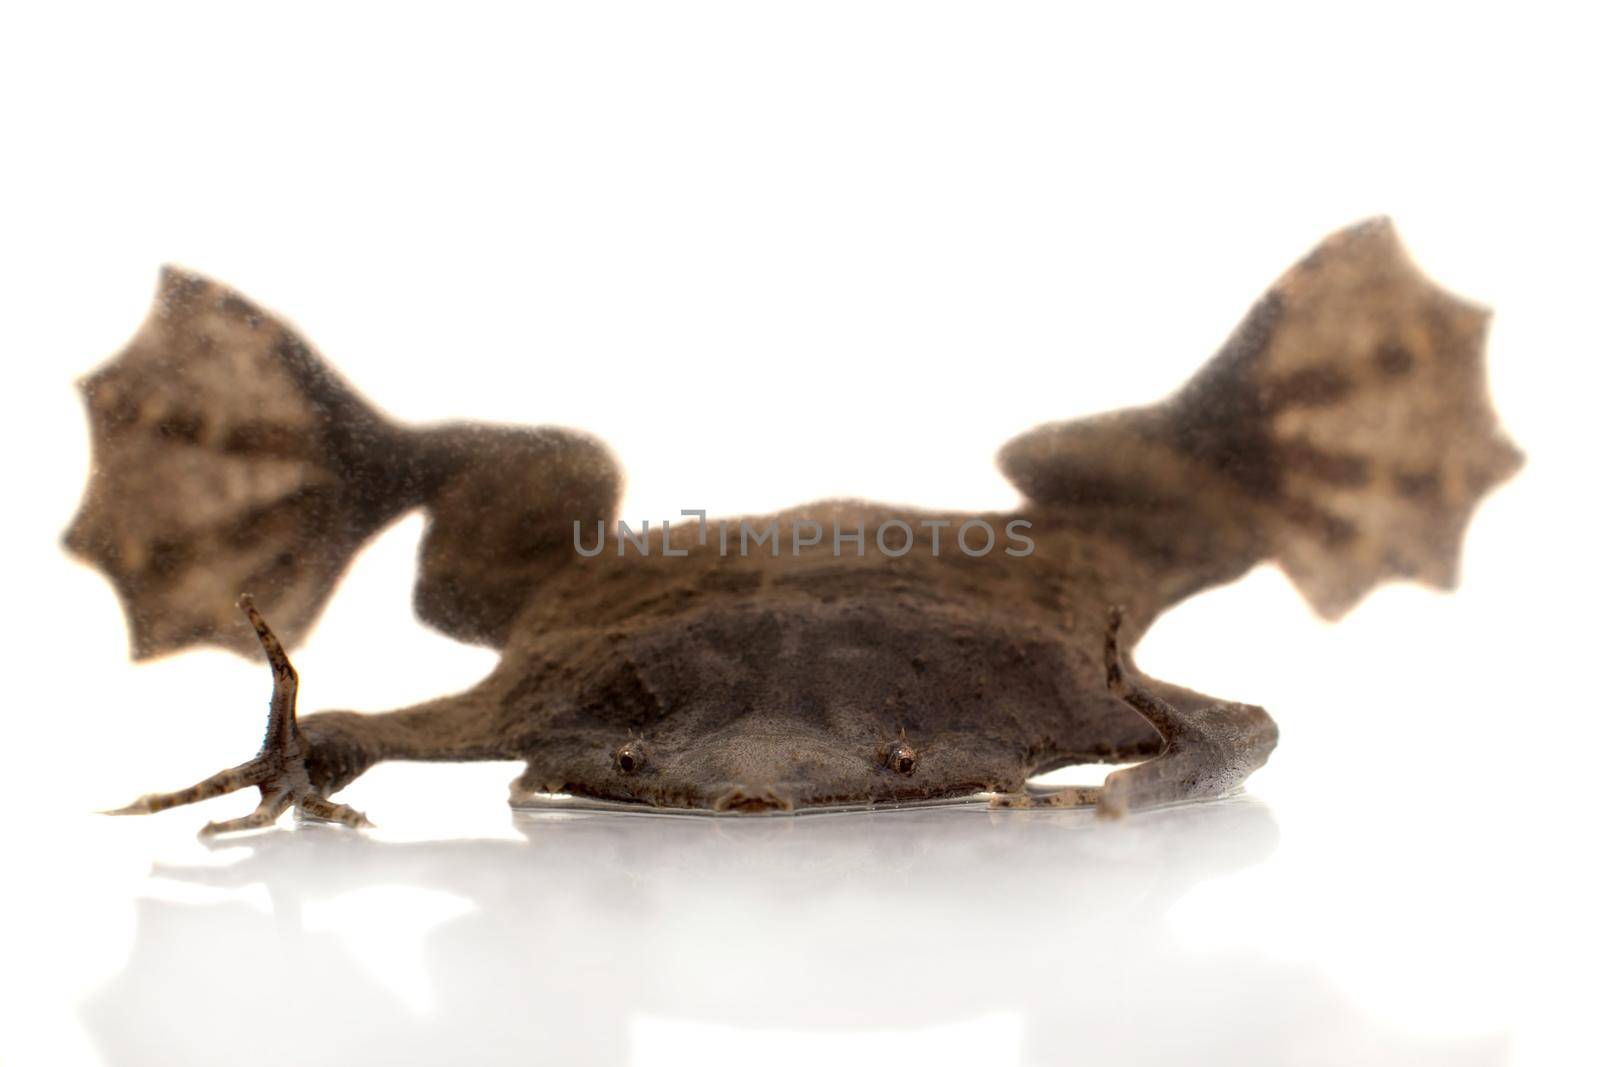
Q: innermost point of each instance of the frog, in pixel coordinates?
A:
(839, 655)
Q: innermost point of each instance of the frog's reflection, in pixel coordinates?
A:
(833, 923)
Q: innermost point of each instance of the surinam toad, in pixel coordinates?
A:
(1344, 430)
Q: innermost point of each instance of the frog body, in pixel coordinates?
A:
(841, 654)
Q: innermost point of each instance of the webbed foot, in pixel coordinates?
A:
(279, 770)
(1209, 750)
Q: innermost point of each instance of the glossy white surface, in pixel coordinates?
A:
(1224, 933)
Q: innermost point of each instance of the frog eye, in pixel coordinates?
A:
(901, 758)
(630, 758)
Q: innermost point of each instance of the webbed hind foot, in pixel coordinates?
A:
(279, 770)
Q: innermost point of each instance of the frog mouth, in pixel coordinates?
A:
(732, 804)
(742, 801)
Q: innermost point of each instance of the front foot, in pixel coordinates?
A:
(280, 770)
(1209, 751)
(1210, 756)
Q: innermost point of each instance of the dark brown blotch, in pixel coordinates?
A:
(1333, 530)
(1335, 468)
(183, 426)
(1419, 486)
(1394, 359)
(168, 557)
(1309, 387)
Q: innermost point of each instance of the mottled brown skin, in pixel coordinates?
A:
(1344, 430)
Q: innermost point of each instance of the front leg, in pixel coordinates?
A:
(295, 767)
(1209, 750)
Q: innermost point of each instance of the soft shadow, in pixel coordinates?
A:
(845, 923)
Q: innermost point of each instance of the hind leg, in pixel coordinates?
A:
(1209, 751)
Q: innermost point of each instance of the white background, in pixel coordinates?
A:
(770, 253)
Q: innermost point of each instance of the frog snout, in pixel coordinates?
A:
(747, 800)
